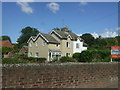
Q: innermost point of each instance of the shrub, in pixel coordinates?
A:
(85, 56)
(12, 61)
(42, 59)
(95, 56)
(76, 56)
(67, 59)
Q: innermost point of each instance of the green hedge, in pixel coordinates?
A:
(76, 56)
(67, 59)
(95, 56)
(12, 61)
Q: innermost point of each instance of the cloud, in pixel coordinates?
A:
(25, 7)
(118, 30)
(54, 7)
(83, 3)
(95, 35)
(109, 33)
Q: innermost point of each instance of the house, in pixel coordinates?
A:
(24, 49)
(6, 43)
(55, 44)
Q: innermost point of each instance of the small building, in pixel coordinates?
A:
(6, 43)
(24, 49)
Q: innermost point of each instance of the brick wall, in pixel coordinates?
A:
(99, 75)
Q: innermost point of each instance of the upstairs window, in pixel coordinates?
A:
(30, 44)
(43, 43)
(36, 44)
(68, 44)
(77, 45)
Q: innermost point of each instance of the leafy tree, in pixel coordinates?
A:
(88, 38)
(56, 28)
(5, 38)
(118, 40)
(27, 32)
(6, 50)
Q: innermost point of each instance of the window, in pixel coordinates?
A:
(44, 43)
(30, 44)
(30, 53)
(57, 45)
(36, 44)
(77, 45)
(68, 44)
(67, 54)
(36, 54)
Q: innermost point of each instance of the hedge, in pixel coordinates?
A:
(12, 61)
(95, 55)
(67, 59)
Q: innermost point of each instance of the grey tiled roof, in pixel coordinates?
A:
(64, 34)
(33, 37)
(50, 38)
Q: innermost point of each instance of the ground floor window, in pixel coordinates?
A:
(30, 53)
(36, 54)
(67, 54)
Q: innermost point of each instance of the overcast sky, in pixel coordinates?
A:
(97, 18)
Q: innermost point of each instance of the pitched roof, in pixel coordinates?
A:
(6, 43)
(49, 38)
(63, 34)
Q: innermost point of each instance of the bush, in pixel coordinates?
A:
(76, 56)
(12, 61)
(95, 56)
(67, 59)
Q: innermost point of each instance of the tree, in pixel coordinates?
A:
(6, 50)
(27, 32)
(56, 29)
(88, 38)
(5, 38)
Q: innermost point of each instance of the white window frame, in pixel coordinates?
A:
(78, 45)
(68, 54)
(43, 43)
(68, 44)
(30, 53)
(36, 54)
(30, 44)
(36, 44)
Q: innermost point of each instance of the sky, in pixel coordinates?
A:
(97, 18)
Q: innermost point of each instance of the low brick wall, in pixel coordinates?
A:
(94, 75)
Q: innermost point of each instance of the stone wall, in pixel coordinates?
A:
(94, 75)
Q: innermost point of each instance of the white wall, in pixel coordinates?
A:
(80, 49)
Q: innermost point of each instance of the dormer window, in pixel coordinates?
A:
(44, 43)
(30, 44)
(36, 44)
(68, 44)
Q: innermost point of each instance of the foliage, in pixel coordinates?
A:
(88, 38)
(76, 56)
(118, 40)
(5, 38)
(27, 32)
(67, 59)
(94, 55)
(12, 61)
(6, 50)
